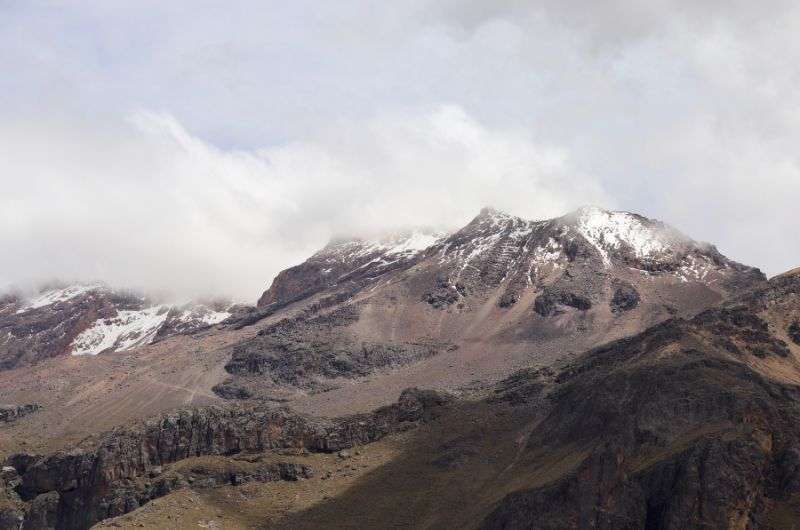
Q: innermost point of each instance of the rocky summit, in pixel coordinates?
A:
(596, 370)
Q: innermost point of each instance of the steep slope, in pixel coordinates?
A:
(345, 261)
(87, 319)
(499, 294)
(691, 424)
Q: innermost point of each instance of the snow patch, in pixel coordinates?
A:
(203, 315)
(126, 330)
(414, 244)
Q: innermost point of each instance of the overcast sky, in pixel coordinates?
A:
(201, 147)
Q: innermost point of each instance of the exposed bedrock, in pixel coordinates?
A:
(123, 469)
(553, 301)
(668, 430)
(300, 350)
(625, 297)
(794, 332)
(9, 413)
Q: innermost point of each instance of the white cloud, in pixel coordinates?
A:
(152, 206)
(278, 123)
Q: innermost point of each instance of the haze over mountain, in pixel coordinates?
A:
(167, 147)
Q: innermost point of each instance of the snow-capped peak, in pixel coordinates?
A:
(611, 230)
(396, 245)
(52, 296)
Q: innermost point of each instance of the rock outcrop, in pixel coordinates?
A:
(124, 468)
(9, 413)
(683, 426)
(300, 350)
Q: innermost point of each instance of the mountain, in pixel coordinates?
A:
(88, 319)
(499, 294)
(497, 248)
(596, 369)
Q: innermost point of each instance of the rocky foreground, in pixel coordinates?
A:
(125, 468)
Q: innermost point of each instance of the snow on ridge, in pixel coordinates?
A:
(607, 230)
(52, 296)
(203, 315)
(415, 243)
(132, 328)
(129, 329)
(397, 244)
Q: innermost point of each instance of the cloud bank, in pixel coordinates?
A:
(150, 206)
(200, 149)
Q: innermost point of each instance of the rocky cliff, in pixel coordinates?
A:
(121, 470)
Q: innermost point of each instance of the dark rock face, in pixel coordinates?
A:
(44, 332)
(299, 350)
(11, 518)
(123, 469)
(547, 304)
(445, 294)
(625, 298)
(230, 389)
(794, 332)
(42, 512)
(9, 414)
(675, 429)
(522, 386)
(739, 329)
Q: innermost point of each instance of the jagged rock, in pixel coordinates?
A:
(547, 304)
(90, 319)
(299, 350)
(625, 298)
(11, 518)
(13, 413)
(230, 389)
(680, 430)
(43, 512)
(739, 329)
(794, 332)
(508, 299)
(521, 386)
(444, 294)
